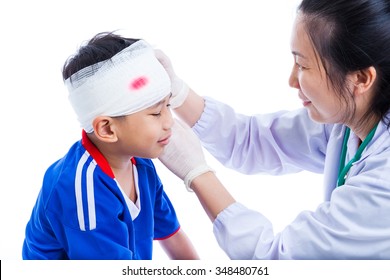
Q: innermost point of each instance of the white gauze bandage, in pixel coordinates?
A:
(130, 81)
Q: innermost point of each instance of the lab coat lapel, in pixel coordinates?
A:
(332, 160)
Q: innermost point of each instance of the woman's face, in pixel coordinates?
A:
(308, 76)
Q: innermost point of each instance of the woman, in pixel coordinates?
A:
(342, 74)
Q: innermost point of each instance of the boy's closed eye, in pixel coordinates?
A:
(157, 108)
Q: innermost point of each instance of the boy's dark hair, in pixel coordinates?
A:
(101, 47)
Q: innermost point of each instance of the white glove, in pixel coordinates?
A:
(184, 155)
(179, 88)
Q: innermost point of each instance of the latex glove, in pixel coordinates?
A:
(179, 88)
(184, 155)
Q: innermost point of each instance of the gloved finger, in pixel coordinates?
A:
(163, 59)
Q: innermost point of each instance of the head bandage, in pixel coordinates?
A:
(130, 81)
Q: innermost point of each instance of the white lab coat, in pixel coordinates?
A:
(353, 222)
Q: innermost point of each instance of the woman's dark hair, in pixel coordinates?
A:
(101, 47)
(352, 35)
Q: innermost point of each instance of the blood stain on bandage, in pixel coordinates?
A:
(138, 83)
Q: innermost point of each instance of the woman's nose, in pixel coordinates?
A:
(293, 79)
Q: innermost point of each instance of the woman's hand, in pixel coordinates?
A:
(184, 155)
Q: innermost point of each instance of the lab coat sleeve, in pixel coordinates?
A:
(243, 233)
(354, 224)
(278, 143)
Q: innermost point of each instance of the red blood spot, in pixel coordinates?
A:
(138, 83)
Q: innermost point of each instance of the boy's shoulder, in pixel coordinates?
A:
(65, 165)
(74, 153)
(57, 176)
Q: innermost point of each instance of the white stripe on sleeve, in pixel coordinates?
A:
(78, 190)
(91, 196)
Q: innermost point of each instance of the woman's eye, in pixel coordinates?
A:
(300, 67)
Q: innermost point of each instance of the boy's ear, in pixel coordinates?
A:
(103, 129)
(364, 80)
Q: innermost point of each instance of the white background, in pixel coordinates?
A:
(235, 51)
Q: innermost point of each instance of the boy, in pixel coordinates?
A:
(104, 199)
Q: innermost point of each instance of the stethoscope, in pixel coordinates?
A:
(343, 169)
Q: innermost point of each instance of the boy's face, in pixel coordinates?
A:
(146, 133)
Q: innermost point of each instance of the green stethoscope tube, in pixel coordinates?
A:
(343, 170)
